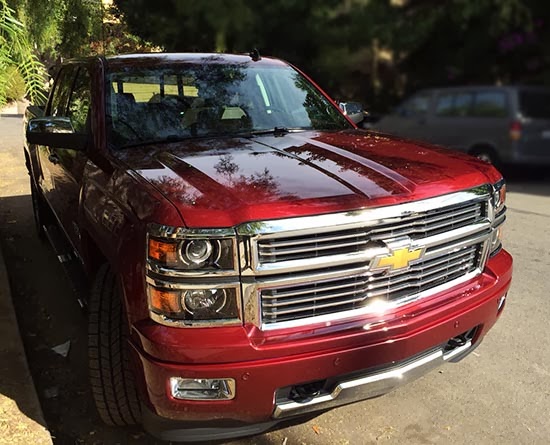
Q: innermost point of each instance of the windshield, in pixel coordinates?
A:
(211, 99)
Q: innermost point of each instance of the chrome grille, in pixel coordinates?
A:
(349, 241)
(358, 291)
(317, 269)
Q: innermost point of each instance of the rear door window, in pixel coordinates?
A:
(454, 104)
(463, 104)
(535, 104)
(444, 106)
(490, 104)
(415, 106)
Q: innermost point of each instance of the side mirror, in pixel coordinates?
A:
(353, 110)
(55, 132)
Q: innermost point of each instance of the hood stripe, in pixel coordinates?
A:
(370, 191)
(404, 182)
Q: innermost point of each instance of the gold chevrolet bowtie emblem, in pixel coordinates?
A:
(399, 258)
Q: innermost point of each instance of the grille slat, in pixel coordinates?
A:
(317, 306)
(282, 294)
(424, 272)
(317, 240)
(316, 248)
(454, 237)
(282, 248)
(354, 292)
(419, 281)
(297, 301)
(433, 227)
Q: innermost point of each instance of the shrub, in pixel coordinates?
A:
(15, 85)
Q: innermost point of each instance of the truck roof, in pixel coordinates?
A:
(147, 58)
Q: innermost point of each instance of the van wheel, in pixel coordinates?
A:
(486, 154)
(111, 378)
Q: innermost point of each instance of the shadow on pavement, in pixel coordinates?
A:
(21, 418)
(49, 315)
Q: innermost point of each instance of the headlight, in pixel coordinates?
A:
(195, 306)
(196, 250)
(211, 301)
(193, 276)
(499, 212)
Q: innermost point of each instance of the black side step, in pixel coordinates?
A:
(70, 262)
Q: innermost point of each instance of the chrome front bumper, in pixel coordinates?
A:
(374, 384)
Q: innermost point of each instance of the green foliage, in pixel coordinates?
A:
(16, 52)
(81, 25)
(116, 37)
(465, 41)
(43, 27)
(367, 50)
(15, 85)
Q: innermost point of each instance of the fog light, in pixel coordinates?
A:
(204, 299)
(202, 389)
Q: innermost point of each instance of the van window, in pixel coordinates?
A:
(490, 104)
(415, 106)
(463, 104)
(535, 104)
(444, 106)
(454, 104)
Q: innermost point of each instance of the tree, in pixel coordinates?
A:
(466, 41)
(368, 50)
(296, 30)
(17, 52)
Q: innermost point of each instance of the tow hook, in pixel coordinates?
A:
(307, 392)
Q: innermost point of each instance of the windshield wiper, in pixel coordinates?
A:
(277, 131)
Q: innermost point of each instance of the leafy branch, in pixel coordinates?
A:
(17, 51)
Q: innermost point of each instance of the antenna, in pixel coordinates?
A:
(255, 55)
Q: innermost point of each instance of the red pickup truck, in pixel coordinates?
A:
(252, 256)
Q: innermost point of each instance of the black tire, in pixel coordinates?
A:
(111, 378)
(39, 211)
(486, 154)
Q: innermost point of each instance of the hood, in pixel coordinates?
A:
(225, 182)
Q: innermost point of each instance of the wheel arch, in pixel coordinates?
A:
(485, 147)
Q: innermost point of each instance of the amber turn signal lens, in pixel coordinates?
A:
(502, 195)
(166, 253)
(164, 301)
